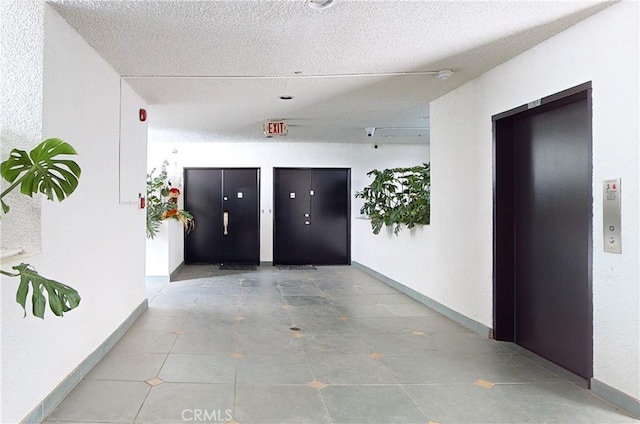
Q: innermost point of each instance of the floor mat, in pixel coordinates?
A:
(296, 267)
(237, 267)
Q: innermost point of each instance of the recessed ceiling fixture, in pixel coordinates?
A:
(444, 74)
(319, 4)
(286, 97)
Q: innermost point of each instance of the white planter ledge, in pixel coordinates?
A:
(9, 253)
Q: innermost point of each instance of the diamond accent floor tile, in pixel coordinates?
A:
(297, 335)
(485, 384)
(375, 355)
(239, 318)
(418, 333)
(154, 381)
(237, 355)
(343, 318)
(317, 384)
(179, 332)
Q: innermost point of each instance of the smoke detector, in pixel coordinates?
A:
(445, 74)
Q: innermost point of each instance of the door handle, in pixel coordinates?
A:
(225, 223)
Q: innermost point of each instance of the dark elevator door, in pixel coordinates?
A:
(311, 219)
(225, 205)
(551, 207)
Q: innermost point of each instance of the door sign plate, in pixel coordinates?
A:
(292, 195)
(612, 216)
(240, 195)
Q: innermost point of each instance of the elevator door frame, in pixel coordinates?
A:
(504, 266)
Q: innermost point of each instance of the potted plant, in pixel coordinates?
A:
(397, 196)
(162, 204)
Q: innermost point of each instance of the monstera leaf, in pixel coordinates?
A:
(62, 298)
(42, 171)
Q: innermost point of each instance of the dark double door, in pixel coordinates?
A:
(311, 216)
(543, 230)
(225, 205)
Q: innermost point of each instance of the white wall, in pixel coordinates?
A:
(22, 42)
(92, 241)
(157, 253)
(361, 158)
(165, 252)
(176, 247)
(461, 149)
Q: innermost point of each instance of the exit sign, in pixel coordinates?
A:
(272, 128)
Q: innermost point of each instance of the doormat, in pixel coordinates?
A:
(237, 267)
(296, 267)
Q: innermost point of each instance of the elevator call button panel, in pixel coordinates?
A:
(612, 216)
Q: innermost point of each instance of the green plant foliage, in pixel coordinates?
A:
(62, 298)
(397, 196)
(42, 171)
(160, 206)
(157, 191)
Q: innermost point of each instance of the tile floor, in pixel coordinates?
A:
(218, 346)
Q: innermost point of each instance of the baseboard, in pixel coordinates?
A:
(46, 407)
(266, 263)
(175, 272)
(465, 321)
(616, 397)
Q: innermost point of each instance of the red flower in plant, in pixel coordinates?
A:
(170, 213)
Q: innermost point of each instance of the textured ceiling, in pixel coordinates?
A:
(215, 69)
